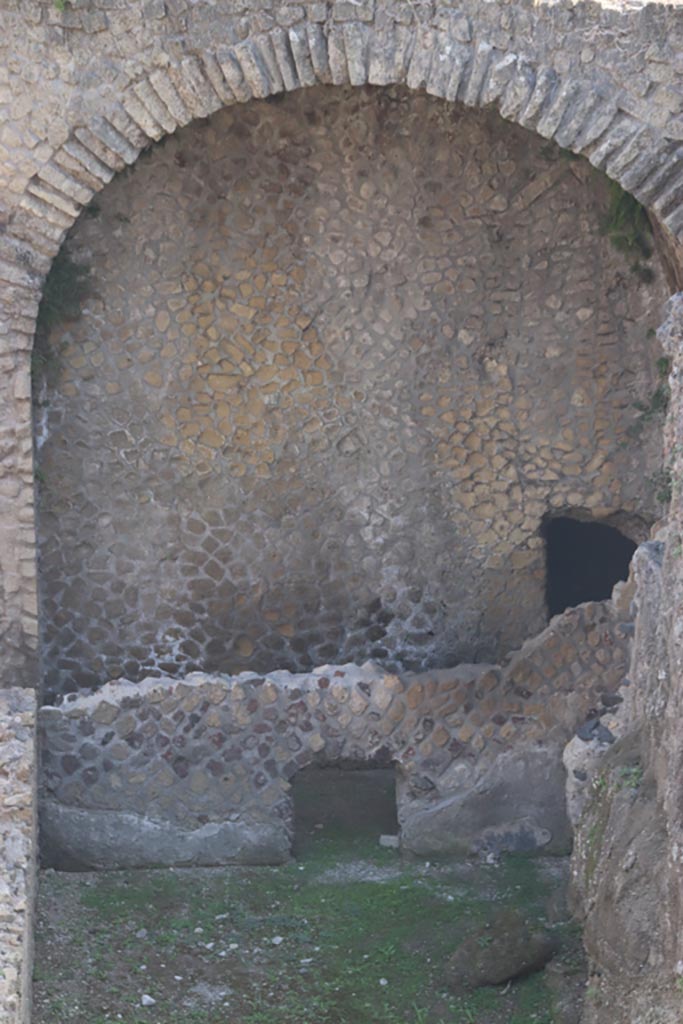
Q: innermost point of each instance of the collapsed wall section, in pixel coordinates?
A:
(198, 770)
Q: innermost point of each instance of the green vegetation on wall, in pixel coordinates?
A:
(627, 226)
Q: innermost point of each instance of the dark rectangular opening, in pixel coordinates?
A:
(346, 805)
(584, 561)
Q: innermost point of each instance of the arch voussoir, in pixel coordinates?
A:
(501, 72)
(195, 88)
(518, 90)
(317, 42)
(562, 101)
(162, 99)
(577, 116)
(101, 171)
(282, 46)
(620, 131)
(336, 55)
(545, 83)
(390, 51)
(356, 41)
(447, 59)
(420, 62)
(184, 89)
(114, 141)
(139, 104)
(259, 69)
(671, 196)
(233, 74)
(52, 197)
(65, 183)
(300, 47)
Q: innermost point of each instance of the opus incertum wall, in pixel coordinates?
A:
(84, 90)
(336, 359)
(198, 771)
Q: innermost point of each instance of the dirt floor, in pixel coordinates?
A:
(349, 933)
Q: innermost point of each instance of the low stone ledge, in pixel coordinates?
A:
(86, 840)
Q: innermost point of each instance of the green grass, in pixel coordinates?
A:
(373, 950)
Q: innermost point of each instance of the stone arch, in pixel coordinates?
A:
(584, 114)
(454, 58)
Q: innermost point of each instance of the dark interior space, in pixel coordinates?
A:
(353, 806)
(584, 560)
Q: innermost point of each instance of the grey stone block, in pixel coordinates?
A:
(73, 839)
(517, 805)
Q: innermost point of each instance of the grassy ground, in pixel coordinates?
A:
(363, 942)
(347, 934)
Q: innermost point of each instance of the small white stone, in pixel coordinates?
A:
(277, 940)
(390, 842)
(147, 1000)
(383, 982)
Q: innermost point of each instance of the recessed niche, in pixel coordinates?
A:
(353, 805)
(584, 561)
